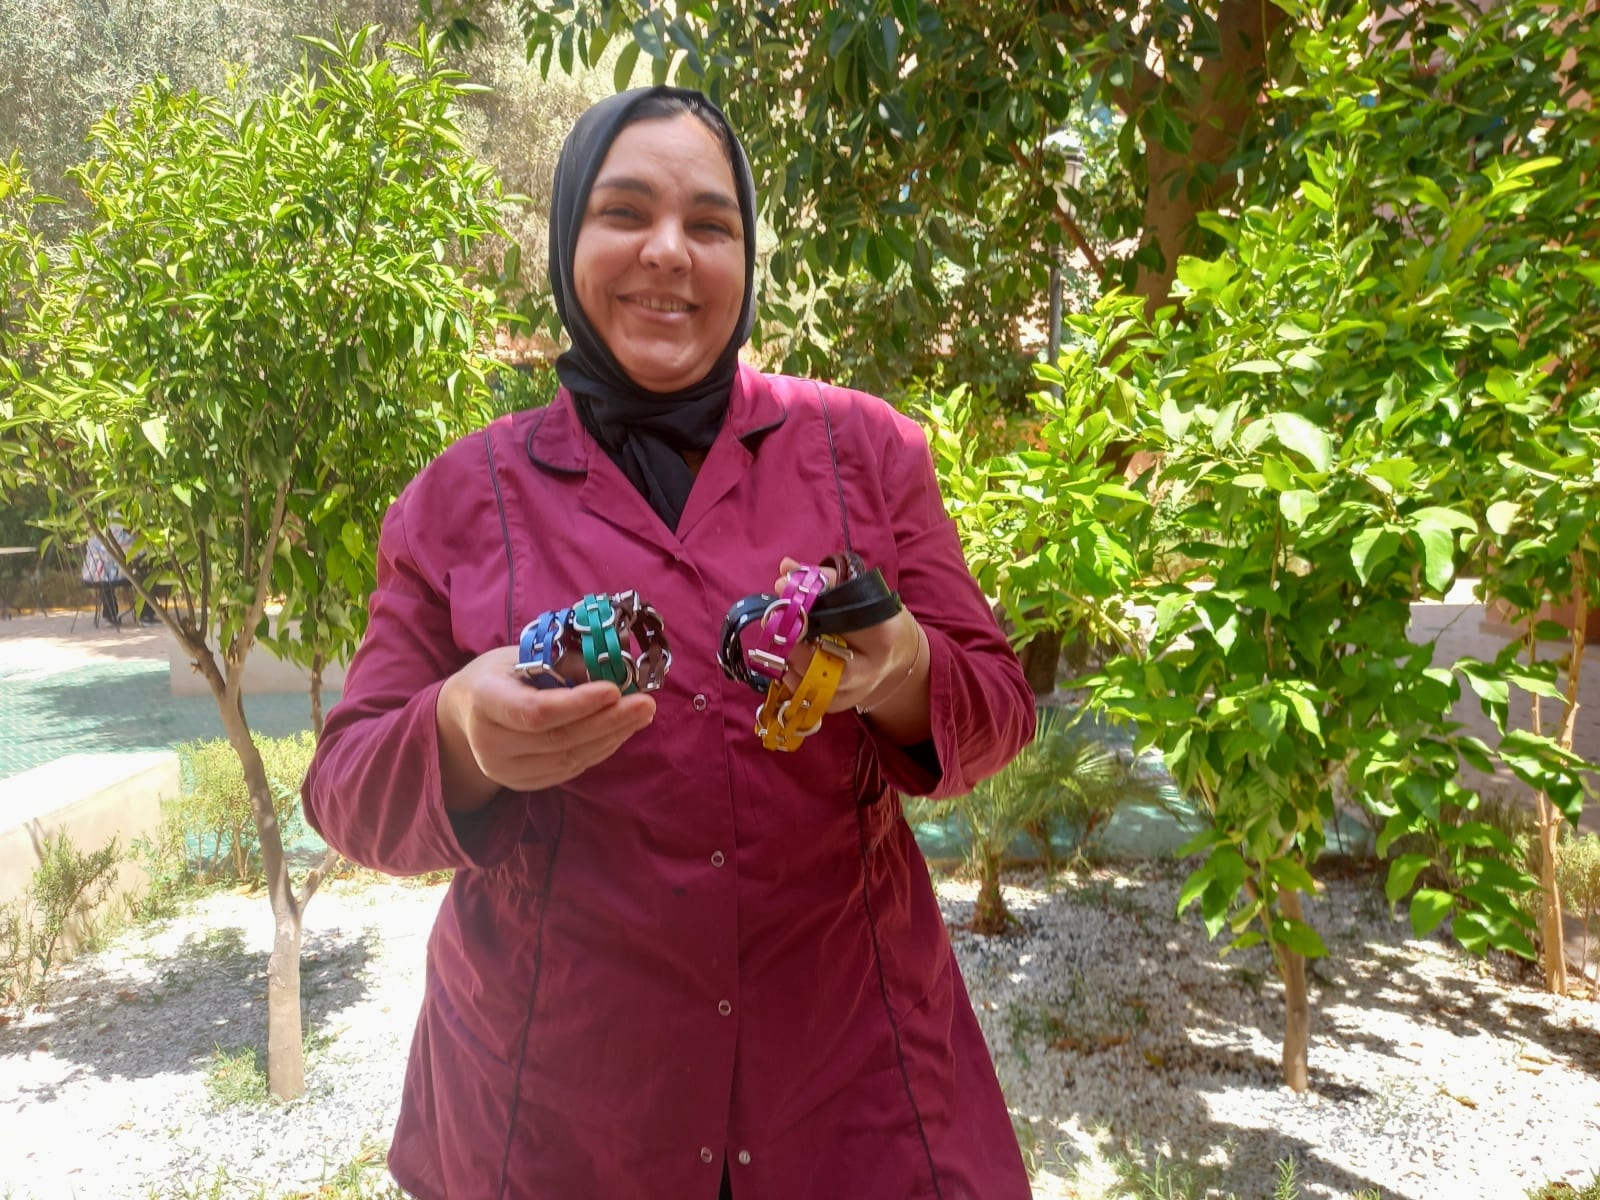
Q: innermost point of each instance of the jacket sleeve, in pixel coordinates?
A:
(373, 789)
(982, 707)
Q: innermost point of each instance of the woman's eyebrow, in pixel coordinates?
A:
(632, 183)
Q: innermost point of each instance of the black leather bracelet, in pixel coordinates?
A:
(730, 654)
(857, 603)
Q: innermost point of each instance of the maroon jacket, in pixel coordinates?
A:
(699, 948)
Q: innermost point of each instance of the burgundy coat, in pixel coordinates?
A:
(699, 948)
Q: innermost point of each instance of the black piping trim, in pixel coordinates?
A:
(533, 994)
(505, 533)
(833, 456)
(888, 1008)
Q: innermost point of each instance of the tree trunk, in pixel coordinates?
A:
(316, 695)
(285, 1057)
(1296, 1004)
(1039, 659)
(1227, 92)
(1555, 941)
(990, 915)
(1552, 933)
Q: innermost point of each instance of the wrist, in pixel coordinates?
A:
(897, 684)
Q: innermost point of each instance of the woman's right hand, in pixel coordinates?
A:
(497, 732)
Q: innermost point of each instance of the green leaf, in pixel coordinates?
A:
(1257, 366)
(1371, 549)
(1300, 435)
(622, 73)
(1306, 713)
(1403, 872)
(155, 432)
(1291, 876)
(1502, 516)
(1205, 275)
(1429, 907)
(1300, 938)
(1297, 506)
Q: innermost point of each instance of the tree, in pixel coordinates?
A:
(1394, 344)
(264, 332)
(912, 133)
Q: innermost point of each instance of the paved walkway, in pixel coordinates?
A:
(70, 688)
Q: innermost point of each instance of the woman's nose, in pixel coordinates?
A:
(666, 248)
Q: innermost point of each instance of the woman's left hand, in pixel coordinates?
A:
(884, 660)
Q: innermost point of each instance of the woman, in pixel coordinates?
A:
(671, 962)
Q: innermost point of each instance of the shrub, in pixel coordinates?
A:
(1067, 775)
(68, 885)
(1578, 879)
(213, 815)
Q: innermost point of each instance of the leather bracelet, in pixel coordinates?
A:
(617, 638)
(730, 650)
(786, 719)
(858, 603)
(922, 640)
(784, 623)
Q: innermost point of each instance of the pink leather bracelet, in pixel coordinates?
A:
(784, 623)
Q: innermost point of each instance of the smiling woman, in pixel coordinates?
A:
(672, 962)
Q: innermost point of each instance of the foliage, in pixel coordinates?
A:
(204, 349)
(1045, 527)
(1561, 1190)
(513, 389)
(212, 816)
(67, 888)
(922, 148)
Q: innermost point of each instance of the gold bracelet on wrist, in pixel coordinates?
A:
(922, 640)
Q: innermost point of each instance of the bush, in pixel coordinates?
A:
(213, 817)
(1068, 775)
(1578, 880)
(67, 886)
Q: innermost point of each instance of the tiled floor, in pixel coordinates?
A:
(68, 689)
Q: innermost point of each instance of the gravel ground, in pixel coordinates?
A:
(1123, 1042)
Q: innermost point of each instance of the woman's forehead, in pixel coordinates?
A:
(650, 155)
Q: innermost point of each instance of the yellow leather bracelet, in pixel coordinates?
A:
(786, 719)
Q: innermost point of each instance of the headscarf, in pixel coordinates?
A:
(644, 432)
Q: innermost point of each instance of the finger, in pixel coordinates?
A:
(543, 710)
(829, 575)
(564, 755)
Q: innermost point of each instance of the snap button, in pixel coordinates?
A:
(724, 1007)
(744, 1158)
(705, 1154)
(699, 703)
(716, 858)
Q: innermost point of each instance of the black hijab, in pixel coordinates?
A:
(644, 432)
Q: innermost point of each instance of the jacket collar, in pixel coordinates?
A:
(557, 441)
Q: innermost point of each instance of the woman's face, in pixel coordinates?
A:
(659, 264)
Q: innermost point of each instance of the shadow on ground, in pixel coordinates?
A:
(174, 1011)
(1134, 1026)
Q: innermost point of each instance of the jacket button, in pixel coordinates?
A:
(716, 858)
(744, 1158)
(705, 1154)
(724, 1007)
(699, 703)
